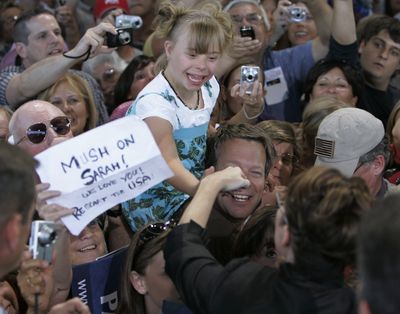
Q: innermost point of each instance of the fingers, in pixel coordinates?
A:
(74, 305)
(54, 212)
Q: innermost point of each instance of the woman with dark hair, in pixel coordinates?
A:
(138, 73)
(315, 234)
(336, 79)
(144, 284)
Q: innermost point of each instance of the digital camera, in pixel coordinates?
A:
(128, 21)
(42, 240)
(248, 76)
(247, 31)
(297, 14)
(123, 37)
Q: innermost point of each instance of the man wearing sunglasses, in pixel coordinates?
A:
(41, 61)
(38, 125)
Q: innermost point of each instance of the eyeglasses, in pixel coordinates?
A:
(154, 230)
(37, 132)
(287, 159)
(252, 18)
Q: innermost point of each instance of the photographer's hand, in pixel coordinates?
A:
(74, 305)
(53, 212)
(253, 104)
(35, 278)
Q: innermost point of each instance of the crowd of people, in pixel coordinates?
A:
(278, 120)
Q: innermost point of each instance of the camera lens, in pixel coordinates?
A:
(46, 236)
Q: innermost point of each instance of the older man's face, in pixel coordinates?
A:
(39, 113)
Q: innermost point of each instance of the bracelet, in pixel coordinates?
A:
(255, 116)
(87, 54)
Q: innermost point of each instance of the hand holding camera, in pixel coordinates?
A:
(125, 24)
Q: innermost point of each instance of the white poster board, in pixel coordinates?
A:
(102, 168)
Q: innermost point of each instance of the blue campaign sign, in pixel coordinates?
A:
(97, 283)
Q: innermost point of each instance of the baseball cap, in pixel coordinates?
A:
(344, 136)
(102, 6)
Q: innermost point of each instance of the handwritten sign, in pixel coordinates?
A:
(101, 168)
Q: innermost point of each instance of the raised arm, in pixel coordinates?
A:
(183, 179)
(322, 14)
(343, 23)
(44, 73)
(199, 209)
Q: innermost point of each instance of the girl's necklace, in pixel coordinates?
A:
(198, 95)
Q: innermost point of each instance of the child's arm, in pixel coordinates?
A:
(183, 179)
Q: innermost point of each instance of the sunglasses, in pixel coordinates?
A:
(156, 229)
(37, 132)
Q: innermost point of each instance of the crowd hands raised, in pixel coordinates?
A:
(296, 133)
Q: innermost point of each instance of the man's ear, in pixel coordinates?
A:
(363, 307)
(21, 50)
(11, 233)
(138, 282)
(378, 165)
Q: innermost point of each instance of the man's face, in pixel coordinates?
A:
(44, 40)
(244, 11)
(38, 113)
(250, 157)
(380, 57)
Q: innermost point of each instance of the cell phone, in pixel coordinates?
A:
(42, 239)
(249, 75)
(247, 31)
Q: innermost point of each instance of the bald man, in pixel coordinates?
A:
(38, 125)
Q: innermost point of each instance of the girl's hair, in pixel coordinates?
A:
(324, 209)
(208, 27)
(82, 88)
(127, 77)
(140, 254)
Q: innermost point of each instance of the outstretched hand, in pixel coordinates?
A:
(53, 212)
(231, 178)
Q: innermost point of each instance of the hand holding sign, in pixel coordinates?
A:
(101, 168)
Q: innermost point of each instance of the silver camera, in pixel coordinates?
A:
(128, 21)
(42, 240)
(248, 76)
(297, 14)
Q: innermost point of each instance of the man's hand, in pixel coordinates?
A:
(93, 39)
(53, 212)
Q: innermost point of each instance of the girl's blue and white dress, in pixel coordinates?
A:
(158, 99)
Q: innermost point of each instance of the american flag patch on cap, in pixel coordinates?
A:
(324, 148)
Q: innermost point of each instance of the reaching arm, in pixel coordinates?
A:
(26, 85)
(322, 14)
(199, 209)
(183, 179)
(344, 24)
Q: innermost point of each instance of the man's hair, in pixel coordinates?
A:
(242, 131)
(379, 256)
(381, 149)
(373, 26)
(324, 210)
(21, 31)
(17, 172)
